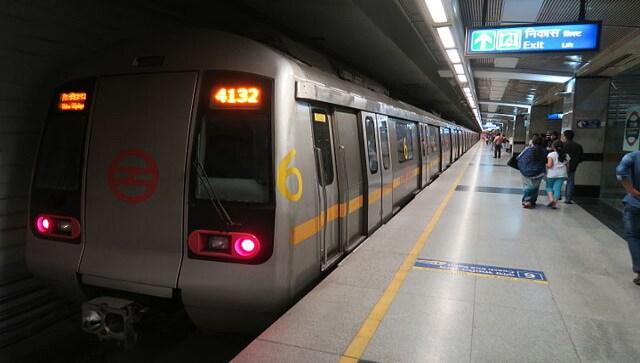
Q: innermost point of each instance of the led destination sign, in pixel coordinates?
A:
(534, 38)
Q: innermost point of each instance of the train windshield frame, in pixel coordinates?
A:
(234, 145)
(61, 153)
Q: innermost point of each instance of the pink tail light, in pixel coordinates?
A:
(43, 224)
(58, 226)
(244, 246)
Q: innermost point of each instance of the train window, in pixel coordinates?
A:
(384, 144)
(234, 145)
(433, 139)
(404, 139)
(322, 141)
(61, 151)
(372, 148)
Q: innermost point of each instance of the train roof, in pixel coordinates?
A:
(184, 49)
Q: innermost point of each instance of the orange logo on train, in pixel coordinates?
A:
(133, 176)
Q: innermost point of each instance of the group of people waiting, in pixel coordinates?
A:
(557, 162)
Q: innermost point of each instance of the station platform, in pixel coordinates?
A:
(464, 274)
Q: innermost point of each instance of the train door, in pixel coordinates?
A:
(434, 150)
(445, 141)
(424, 150)
(451, 157)
(351, 183)
(329, 237)
(373, 198)
(454, 145)
(133, 228)
(465, 143)
(387, 172)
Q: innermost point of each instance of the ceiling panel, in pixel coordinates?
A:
(482, 62)
(519, 11)
(472, 13)
(556, 63)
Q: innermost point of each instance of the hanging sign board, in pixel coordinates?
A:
(534, 38)
(631, 140)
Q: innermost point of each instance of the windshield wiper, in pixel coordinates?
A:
(213, 198)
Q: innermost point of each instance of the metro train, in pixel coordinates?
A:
(207, 173)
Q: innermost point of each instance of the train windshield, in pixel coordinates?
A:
(234, 148)
(61, 151)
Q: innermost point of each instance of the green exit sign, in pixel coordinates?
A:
(530, 38)
(483, 40)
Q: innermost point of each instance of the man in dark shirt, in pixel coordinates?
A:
(575, 152)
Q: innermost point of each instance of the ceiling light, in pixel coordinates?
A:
(454, 57)
(462, 78)
(437, 11)
(466, 90)
(459, 68)
(446, 37)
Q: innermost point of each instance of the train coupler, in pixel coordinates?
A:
(112, 318)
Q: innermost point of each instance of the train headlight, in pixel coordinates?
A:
(217, 243)
(55, 226)
(91, 321)
(64, 226)
(227, 245)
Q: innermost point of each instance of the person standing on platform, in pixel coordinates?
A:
(497, 146)
(628, 172)
(575, 152)
(557, 161)
(531, 163)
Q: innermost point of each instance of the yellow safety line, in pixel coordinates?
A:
(367, 330)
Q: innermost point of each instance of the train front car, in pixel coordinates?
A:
(154, 187)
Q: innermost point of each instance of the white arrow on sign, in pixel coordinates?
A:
(483, 39)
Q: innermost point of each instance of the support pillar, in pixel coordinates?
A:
(588, 120)
(519, 134)
(538, 121)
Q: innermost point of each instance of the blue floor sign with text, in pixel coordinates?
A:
(482, 270)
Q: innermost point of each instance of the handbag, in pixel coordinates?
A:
(513, 162)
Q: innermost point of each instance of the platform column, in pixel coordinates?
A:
(538, 121)
(519, 134)
(588, 120)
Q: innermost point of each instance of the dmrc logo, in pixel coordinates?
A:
(133, 176)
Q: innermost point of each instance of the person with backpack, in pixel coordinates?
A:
(557, 162)
(531, 163)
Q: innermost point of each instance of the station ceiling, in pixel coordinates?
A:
(390, 44)
(394, 42)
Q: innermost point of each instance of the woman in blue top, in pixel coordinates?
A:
(531, 163)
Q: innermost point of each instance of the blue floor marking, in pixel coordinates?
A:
(482, 270)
